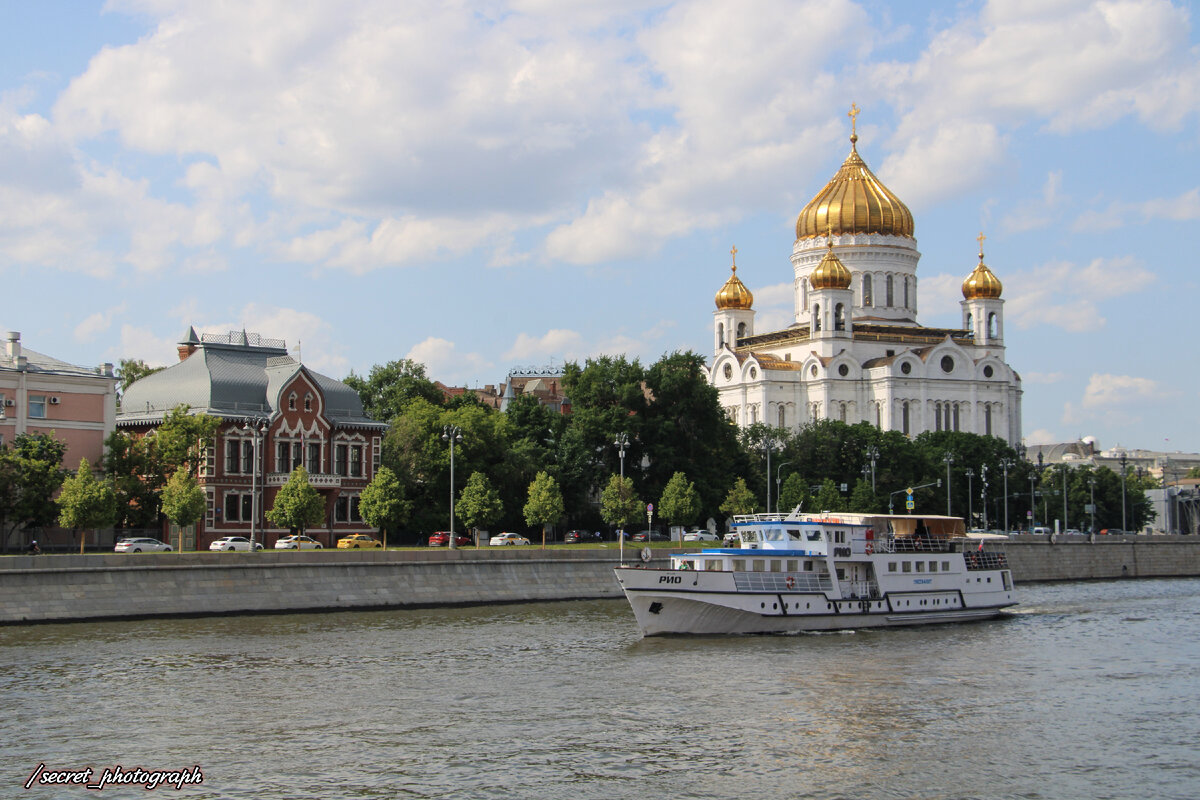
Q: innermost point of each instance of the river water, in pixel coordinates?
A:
(1086, 691)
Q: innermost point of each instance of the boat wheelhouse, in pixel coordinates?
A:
(814, 572)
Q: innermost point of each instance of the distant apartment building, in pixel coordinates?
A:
(276, 414)
(40, 394)
(542, 383)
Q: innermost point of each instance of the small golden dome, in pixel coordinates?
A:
(831, 273)
(982, 283)
(854, 201)
(734, 293)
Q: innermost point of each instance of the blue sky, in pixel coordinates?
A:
(486, 185)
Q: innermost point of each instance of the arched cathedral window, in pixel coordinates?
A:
(741, 330)
(906, 291)
(839, 318)
(891, 301)
(866, 291)
(782, 419)
(816, 317)
(991, 326)
(721, 334)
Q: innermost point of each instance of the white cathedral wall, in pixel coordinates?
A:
(878, 255)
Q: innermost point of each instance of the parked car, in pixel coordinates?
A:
(731, 540)
(507, 538)
(650, 536)
(297, 543)
(575, 537)
(1112, 532)
(141, 545)
(441, 538)
(356, 540)
(699, 536)
(226, 543)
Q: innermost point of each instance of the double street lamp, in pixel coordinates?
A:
(778, 479)
(949, 459)
(872, 454)
(622, 443)
(257, 430)
(970, 473)
(452, 434)
(1005, 464)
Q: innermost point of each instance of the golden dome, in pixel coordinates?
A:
(982, 283)
(854, 201)
(734, 293)
(831, 273)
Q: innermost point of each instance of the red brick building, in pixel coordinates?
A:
(275, 414)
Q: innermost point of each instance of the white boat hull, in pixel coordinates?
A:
(681, 602)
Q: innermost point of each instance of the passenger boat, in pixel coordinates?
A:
(822, 572)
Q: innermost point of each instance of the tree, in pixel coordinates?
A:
(183, 501)
(86, 502)
(388, 388)
(131, 464)
(545, 506)
(862, 499)
(298, 504)
(679, 504)
(619, 503)
(479, 504)
(828, 497)
(182, 440)
(382, 503)
(793, 493)
(740, 499)
(30, 473)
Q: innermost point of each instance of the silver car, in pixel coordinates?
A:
(227, 543)
(140, 545)
(297, 543)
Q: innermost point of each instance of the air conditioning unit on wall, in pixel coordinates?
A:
(8, 401)
(53, 401)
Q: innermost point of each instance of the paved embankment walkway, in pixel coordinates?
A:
(76, 587)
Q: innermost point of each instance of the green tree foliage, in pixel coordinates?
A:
(382, 503)
(389, 387)
(183, 440)
(828, 498)
(619, 503)
(183, 500)
(740, 500)
(680, 503)
(30, 473)
(297, 505)
(794, 492)
(863, 500)
(479, 505)
(545, 505)
(133, 468)
(86, 502)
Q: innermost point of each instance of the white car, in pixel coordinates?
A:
(141, 545)
(507, 538)
(699, 536)
(234, 543)
(297, 543)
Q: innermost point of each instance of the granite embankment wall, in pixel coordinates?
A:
(59, 588)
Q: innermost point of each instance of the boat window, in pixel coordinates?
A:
(891, 566)
(739, 565)
(687, 564)
(841, 573)
(749, 536)
(713, 565)
(933, 566)
(920, 566)
(907, 567)
(791, 565)
(808, 566)
(945, 566)
(776, 565)
(814, 536)
(795, 535)
(759, 565)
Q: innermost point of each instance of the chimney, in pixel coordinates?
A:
(14, 345)
(185, 350)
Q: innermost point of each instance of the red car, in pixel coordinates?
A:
(440, 538)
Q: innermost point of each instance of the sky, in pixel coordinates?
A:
(482, 186)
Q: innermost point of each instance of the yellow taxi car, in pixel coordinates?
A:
(357, 540)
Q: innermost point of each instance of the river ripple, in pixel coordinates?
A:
(1085, 692)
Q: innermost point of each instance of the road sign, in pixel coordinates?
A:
(1029, 515)
(910, 505)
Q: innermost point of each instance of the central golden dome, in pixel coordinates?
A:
(854, 201)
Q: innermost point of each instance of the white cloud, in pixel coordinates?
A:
(1039, 213)
(1041, 436)
(1184, 208)
(1043, 377)
(1067, 296)
(553, 343)
(957, 155)
(1107, 391)
(444, 363)
(98, 323)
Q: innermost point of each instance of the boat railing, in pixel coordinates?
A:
(781, 582)
(985, 559)
(912, 544)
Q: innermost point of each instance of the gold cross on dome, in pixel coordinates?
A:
(980, 239)
(733, 252)
(853, 115)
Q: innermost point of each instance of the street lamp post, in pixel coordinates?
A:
(257, 430)
(622, 442)
(1065, 525)
(1124, 461)
(970, 473)
(872, 453)
(1092, 487)
(778, 479)
(1005, 464)
(452, 434)
(983, 493)
(769, 441)
(949, 459)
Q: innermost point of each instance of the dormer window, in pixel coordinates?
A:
(292, 402)
(308, 402)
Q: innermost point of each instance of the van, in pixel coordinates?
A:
(1042, 531)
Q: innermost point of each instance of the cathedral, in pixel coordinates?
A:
(855, 351)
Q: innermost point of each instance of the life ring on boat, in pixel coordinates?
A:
(791, 582)
(870, 548)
